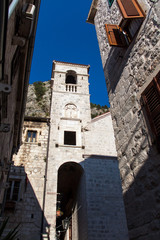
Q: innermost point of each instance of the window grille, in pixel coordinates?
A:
(69, 138)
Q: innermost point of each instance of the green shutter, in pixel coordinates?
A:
(110, 2)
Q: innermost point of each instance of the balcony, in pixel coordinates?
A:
(71, 88)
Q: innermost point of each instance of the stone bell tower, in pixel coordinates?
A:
(65, 178)
(82, 182)
(70, 113)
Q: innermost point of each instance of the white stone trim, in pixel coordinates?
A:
(69, 146)
(71, 64)
(85, 94)
(72, 119)
(78, 74)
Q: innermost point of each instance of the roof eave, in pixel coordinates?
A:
(92, 12)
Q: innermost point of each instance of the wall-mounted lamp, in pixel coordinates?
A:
(65, 223)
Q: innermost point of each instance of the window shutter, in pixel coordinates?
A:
(157, 79)
(151, 98)
(115, 35)
(130, 9)
(110, 2)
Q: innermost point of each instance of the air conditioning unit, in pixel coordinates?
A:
(27, 20)
(28, 10)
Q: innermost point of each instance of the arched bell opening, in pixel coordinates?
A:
(69, 175)
(71, 77)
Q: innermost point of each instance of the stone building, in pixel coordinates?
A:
(18, 21)
(128, 34)
(66, 171)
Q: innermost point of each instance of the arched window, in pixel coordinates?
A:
(71, 77)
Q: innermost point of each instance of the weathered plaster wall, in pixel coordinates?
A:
(128, 71)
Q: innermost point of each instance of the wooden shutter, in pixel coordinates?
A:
(151, 99)
(115, 35)
(130, 9)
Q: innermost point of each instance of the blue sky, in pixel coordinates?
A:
(63, 35)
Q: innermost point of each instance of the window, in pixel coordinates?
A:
(116, 36)
(110, 2)
(69, 138)
(13, 190)
(121, 35)
(71, 77)
(151, 100)
(31, 136)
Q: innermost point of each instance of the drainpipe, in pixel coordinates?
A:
(3, 32)
(12, 7)
(45, 182)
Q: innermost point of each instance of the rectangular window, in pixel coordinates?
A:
(31, 136)
(13, 190)
(69, 138)
(116, 36)
(121, 35)
(151, 100)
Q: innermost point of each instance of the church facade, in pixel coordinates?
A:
(65, 181)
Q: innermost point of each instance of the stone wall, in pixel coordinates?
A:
(99, 136)
(87, 181)
(76, 117)
(105, 208)
(17, 61)
(8, 102)
(29, 168)
(70, 111)
(128, 71)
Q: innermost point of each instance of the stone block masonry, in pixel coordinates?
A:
(29, 169)
(128, 71)
(105, 209)
(70, 111)
(67, 168)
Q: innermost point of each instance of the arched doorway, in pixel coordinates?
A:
(69, 175)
